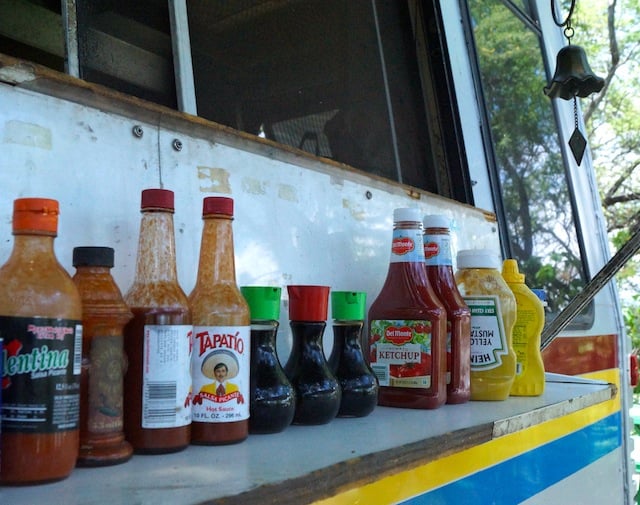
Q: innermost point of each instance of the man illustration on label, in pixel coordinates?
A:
(221, 366)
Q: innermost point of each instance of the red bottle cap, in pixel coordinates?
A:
(157, 199)
(308, 303)
(36, 215)
(217, 205)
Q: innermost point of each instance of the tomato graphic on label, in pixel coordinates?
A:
(412, 369)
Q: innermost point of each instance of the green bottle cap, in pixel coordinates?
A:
(348, 305)
(264, 302)
(510, 272)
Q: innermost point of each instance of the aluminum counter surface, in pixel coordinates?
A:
(307, 463)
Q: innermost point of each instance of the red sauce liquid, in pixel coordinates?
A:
(148, 440)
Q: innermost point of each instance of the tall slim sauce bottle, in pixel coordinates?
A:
(438, 260)
(158, 339)
(40, 322)
(408, 325)
(221, 330)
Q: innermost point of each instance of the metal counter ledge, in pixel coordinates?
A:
(307, 463)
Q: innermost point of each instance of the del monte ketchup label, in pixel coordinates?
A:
(437, 250)
(400, 352)
(407, 246)
(431, 249)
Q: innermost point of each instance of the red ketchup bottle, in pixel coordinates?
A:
(407, 325)
(438, 259)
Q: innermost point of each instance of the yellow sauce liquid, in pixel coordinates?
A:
(486, 285)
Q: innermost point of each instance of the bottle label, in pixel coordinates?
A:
(437, 250)
(488, 338)
(400, 352)
(522, 334)
(42, 359)
(406, 246)
(166, 376)
(220, 370)
(106, 373)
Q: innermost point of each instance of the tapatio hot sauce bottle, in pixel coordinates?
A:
(493, 314)
(408, 325)
(158, 340)
(40, 322)
(104, 315)
(221, 329)
(438, 260)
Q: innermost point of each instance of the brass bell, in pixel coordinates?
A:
(573, 76)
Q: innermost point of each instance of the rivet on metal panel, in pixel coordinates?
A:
(177, 144)
(369, 195)
(137, 131)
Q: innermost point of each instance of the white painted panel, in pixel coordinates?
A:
(293, 225)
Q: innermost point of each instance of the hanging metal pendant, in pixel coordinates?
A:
(577, 143)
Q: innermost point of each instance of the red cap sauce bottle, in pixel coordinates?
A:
(221, 331)
(439, 263)
(40, 322)
(158, 339)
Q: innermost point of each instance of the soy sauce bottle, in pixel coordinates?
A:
(357, 381)
(272, 397)
(318, 392)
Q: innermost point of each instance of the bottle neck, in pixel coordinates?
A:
(30, 248)
(156, 260)
(217, 258)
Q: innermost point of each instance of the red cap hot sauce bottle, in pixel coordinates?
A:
(221, 331)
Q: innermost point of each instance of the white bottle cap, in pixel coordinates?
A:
(436, 221)
(477, 258)
(407, 214)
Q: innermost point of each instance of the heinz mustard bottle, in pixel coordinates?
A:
(40, 322)
(529, 379)
(493, 314)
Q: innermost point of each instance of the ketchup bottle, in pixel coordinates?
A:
(40, 322)
(157, 340)
(408, 325)
(221, 330)
(438, 260)
(104, 315)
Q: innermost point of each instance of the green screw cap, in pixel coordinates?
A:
(348, 305)
(263, 301)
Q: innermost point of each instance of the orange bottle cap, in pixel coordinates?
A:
(35, 214)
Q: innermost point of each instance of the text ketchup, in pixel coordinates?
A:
(407, 325)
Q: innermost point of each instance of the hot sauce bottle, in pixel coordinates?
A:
(104, 315)
(408, 325)
(40, 322)
(157, 341)
(221, 330)
(438, 260)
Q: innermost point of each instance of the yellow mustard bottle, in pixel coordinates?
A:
(493, 313)
(529, 379)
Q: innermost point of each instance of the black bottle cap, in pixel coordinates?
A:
(93, 257)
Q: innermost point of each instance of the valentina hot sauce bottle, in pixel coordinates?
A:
(221, 330)
(407, 325)
(158, 340)
(438, 260)
(40, 322)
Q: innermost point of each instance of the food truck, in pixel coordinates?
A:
(319, 118)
